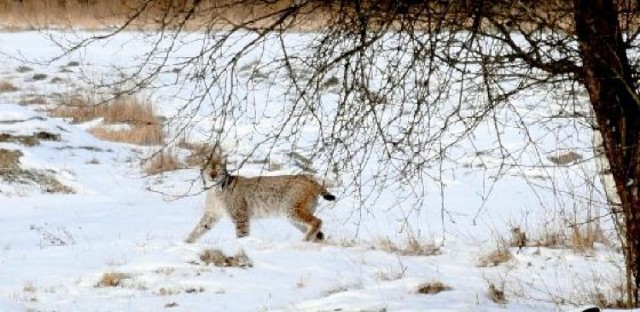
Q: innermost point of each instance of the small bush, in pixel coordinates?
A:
(199, 153)
(518, 238)
(432, 288)
(163, 162)
(6, 86)
(24, 69)
(219, 259)
(112, 279)
(581, 237)
(121, 110)
(495, 258)
(144, 127)
(412, 247)
(565, 158)
(496, 294)
(32, 100)
(140, 135)
(37, 77)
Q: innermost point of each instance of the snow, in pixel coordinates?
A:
(54, 248)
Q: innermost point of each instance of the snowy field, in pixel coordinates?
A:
(56, 247)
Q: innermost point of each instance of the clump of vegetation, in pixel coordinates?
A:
(11, 172)
(199, 154)
(580, 238)
(9, 159)
(29, 140)
(6, 86)
(496, 294)
(218, 258)
(112, 279)
(24, 69)
(141, 125)
(37, 77)
(412, 247)
(566, 158)
(32, 99)
(164, 161)
(432, 288)
(142, 135)
(495, 258)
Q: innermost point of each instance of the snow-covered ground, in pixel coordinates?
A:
(55, 247)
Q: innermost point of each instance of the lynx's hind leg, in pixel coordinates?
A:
(206, 223)
(304, 219)
(305, 226)
(303, 229)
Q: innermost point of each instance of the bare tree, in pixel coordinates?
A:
(402, 82)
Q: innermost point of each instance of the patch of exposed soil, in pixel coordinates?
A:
(11, 172)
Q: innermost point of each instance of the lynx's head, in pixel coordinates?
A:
(217, 170)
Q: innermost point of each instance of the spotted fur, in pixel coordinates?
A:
(294, 197)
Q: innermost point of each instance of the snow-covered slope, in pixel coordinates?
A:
(55, 247)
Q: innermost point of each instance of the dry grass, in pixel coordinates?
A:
(6, 86)
(579, 237)
(140, 135)
(99, 14)
(121, 110)
(32, 100)
(496, 294)
(412, 247)
(495, 258)
(199, 154)
(112, 279)
(164, 161)
(218, 258)
(29, 140)
(608, 301)
(9, 159)
(432, 288)
(144, 126)
(565, 158)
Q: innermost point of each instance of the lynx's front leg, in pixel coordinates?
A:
(240, 217)
(206, 223)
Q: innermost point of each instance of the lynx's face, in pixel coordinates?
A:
(217, 171)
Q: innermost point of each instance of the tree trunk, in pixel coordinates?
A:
(613, 95)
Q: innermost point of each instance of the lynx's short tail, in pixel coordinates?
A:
(326, 195)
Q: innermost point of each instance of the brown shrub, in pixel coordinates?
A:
(577, 237)
(9, 159)
(495, 258)
(140, 135)
(112, 279)
(218, 258)
(199, 154)
(124, 109)
(432, 288)
(164, 161)
(496, 294)
(32, 99)
(565, 158)
(6, 86)
(584, 237)
(144, 127)
(412, 247)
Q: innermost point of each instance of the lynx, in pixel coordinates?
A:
(241, 198)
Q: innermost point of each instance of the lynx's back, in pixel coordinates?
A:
(276, 195)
